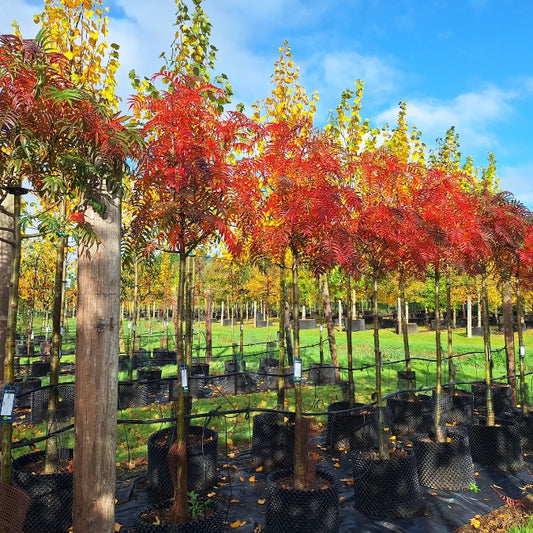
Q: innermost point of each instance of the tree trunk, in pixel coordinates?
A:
(439, 433)
(281, 337)
(97, 345)
(177, 455)
(520, 320)
(349, 344)
(508, 333)
(11, 331)
(382, 443)
(330, 326)
(405, 332)
(288, 341)
(135, 318)
(451, 366)
(51, 457)
(208, 326)
(6, 259)
(299, 436)
(189, 312)
(488, 356)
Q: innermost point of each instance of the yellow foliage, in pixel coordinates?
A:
(78, 30)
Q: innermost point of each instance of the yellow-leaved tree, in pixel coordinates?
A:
(82, 190)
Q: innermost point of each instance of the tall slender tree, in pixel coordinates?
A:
(184, 196)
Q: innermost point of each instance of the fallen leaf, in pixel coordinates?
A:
(236, 524)
(261, 501)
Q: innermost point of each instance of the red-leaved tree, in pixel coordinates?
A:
(184, 197)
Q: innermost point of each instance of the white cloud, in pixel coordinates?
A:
(473, 114)
(517, 179)
(339, 71)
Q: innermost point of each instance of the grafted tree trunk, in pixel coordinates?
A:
(299, 434)
(97, 345)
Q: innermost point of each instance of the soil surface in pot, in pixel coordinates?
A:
(37, 467)
(395, 453)
(318, 483)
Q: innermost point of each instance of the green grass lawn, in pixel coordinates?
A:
(236, 428)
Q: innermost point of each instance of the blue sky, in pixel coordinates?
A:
(462, 63)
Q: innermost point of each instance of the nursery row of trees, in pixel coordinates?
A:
(179, 175)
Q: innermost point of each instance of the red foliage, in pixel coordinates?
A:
(303, 196)
(185, 191)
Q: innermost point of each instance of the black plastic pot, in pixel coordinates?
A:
(456, 408)
(502, 399)
(65, 405)
(525, 426)
(289, 510)
(162, 357)
(132, 394)
(265, 363)
(444, 465)
(200, 369)
(51, 494)
(40, 369)
(201, 460)
(151, 377)
(386, 487)
(273, 374)
(410, 413)
(212, 523)
(498, 446)
(24, 389)
(406, 379)
(322, 374)
(350, 431)
(15, 505)
(272, 442)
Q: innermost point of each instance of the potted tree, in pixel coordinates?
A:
(385, 478)
(443, 457)
(496, 443)
(301, 174)
(186, 161)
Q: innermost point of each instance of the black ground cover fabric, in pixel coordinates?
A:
(242, 490)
